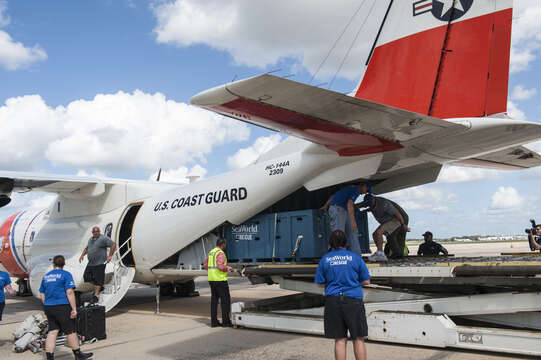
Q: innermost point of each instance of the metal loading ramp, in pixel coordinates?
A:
(479, 303)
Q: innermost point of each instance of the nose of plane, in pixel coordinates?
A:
(8, 252)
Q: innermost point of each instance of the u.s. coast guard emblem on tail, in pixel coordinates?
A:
(444, 10)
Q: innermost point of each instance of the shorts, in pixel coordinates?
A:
(390, 226)
(58, 317)
(95, 274)
(2, 306)
(343, 314)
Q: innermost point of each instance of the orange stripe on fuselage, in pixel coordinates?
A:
(7, 257)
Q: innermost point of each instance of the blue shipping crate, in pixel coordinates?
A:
(251, 240)
(362, 229)
(312, 225)
(274, 236)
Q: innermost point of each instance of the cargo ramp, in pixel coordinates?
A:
(476, 303)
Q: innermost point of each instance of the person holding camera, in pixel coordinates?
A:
(534, 237)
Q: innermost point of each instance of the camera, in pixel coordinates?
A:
(532, 229)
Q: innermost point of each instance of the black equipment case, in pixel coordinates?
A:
(91, 322)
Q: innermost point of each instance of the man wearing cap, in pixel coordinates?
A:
(389, 219)
(430, 247)
(341, 207)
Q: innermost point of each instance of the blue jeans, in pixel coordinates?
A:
(339, 220)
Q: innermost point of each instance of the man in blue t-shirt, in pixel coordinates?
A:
(341, 207)
(58, 299)
(343, 273)
(5, 284)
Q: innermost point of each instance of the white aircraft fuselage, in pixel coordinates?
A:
(171, 216)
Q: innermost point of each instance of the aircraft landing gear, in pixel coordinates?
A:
(186, 289)
(23, 287)
(166, 289)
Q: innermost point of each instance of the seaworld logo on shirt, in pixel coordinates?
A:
(339, 259)
(52, 277)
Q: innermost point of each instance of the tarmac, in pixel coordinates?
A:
(182, 331)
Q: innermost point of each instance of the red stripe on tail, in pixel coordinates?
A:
(469, 78)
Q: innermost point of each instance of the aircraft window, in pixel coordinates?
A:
(59, 206)
(109, 230)
(32, 236)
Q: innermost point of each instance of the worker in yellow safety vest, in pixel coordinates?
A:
(216, 264)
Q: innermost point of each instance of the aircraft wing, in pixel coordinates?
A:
(26, 181)
(347, 125)
(515, 158)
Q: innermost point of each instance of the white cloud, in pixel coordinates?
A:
(95, 173)
(514, 111)
(28, 126)
(455, 174)
(262, 33)
(422, 197)
(246, 156)
(4, 17)
(42, 201)
(526, 38)
(521, 93)
(14, 55)
(112, 132)
(506, 198)
(179, 175)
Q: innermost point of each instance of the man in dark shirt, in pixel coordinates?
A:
(430, 247)
(389, 219)
(96, 250)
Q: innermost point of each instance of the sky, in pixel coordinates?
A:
(102, 88)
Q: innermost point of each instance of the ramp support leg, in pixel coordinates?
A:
(157, 297)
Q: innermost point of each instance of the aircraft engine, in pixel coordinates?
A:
(6, 186)
(17, 235)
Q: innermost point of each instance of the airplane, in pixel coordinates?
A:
(434, 92)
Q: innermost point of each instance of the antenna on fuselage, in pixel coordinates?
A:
(159, 174)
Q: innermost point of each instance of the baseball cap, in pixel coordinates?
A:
(428, 233)
(368, 185)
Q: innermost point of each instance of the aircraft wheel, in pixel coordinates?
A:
(166, 289)
(185, 289)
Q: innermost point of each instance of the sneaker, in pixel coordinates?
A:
(218, 324)
(82, 356)
(228, 324)
(377, 256)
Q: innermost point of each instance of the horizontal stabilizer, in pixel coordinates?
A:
(515, 158)
(344, 124)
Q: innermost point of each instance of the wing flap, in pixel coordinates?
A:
(347, 125)
(515, 158)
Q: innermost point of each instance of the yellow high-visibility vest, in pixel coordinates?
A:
(216, 274)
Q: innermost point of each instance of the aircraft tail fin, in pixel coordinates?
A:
(443, 58)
